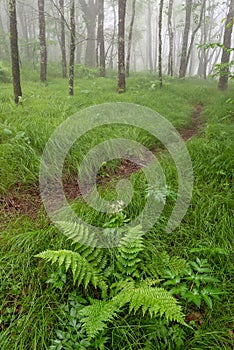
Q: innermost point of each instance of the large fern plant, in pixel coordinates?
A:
(119, 274)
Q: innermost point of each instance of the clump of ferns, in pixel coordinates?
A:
(119, 273)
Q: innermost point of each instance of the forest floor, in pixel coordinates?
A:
(25, 200)
(32, 292)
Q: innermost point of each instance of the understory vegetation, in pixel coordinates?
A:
(156, 290)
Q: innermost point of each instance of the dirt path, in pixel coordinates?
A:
(22, 200)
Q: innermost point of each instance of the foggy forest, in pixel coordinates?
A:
(116, 174)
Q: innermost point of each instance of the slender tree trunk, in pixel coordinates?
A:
(156, 42)
(101, 40)
(171, 40)
(130, 38)
(42, 36)
(223, 80)
(149, 21)
(111, 65)
(90, 10)
(183, 59)
(195, 32)
(14, 50)
(72, 47)
(63, 40)
(121, 46)
(160, 44)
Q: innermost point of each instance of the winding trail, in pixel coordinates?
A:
(22, 200)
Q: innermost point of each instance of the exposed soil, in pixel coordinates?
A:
(25, 200)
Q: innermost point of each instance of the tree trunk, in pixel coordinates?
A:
(171, 40)
(14, 50)
(224, 73)
(63, 40)
(183, 60)
(90, 10)
(101, 40)
(130, 38)
(42, 36)
(72, 47)
(160, 43)
(195, 32)
(121, 46)
(149, 21)
(111, 65)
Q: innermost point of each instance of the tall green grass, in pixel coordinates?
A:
(30, 307)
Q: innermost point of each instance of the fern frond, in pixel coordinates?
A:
(83, 271)
(156, 301)
(95, 317)
(78, 233)
(131, 245)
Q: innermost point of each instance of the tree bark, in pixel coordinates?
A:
(63, 39)
(14, 50)
(42, 36)
(224, 73)
(183, 59)
(121, 46)
(160, 44)
(171, 39)
(130, 38)
(72, 47)
(101, 40)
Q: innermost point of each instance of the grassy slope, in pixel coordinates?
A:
(29, 306)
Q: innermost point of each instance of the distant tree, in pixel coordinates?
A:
(130, 37)
(72, 47)
(42, 37)
(14, 50)
(63, 39)
(183, 59)
(101, 59)
(121, 46)
(160, 43)
(149, 39)
(90, 10)
(171, 39)
(224, 71)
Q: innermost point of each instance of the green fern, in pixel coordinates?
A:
(127, 257)
(83, 271)
(155, 301)
(78, 233)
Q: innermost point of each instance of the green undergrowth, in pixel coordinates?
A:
(41, 306)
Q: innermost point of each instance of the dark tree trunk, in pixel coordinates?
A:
(171, 40)
(14, 50)
(63, 40)
(100, 40)
(183, 59)
(160, 43)
(90, 10)
(72, 47)
(121, 46)
(130, 38)
(42, 36)
(224, 73)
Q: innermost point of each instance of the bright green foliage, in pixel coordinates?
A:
(194, 282)
(127, 258)
(139, 297)
(139, 294)
(83, 271)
